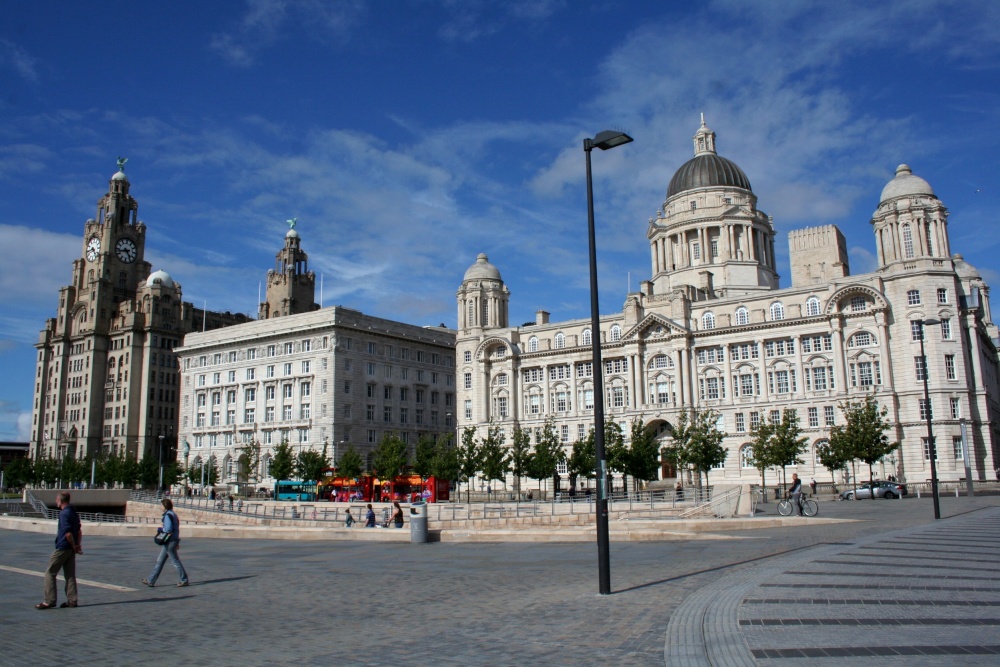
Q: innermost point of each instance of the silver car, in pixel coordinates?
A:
(887, 490)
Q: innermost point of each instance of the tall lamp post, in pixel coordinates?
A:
(161, 463)
(932, 450)
(604, 140)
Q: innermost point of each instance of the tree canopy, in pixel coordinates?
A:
(697, 442)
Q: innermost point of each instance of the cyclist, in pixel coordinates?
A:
(796, 492)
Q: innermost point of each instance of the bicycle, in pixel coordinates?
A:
(809, 507)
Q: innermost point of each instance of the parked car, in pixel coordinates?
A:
(888, 490)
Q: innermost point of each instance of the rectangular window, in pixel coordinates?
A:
(926, 410)
(741, 425)
(286, 412)
(829, 415)
(916, 330)
(371, 369)
(813, 417)
(957, 447)
(754, 421)
(251, 374)
(468, 409)
(387, 414)
(271, 350)
(949, 366)
(468, 380)
(956, 408)
(913, 297)
(248, 415)
(306, 367)
(927, 450)
(370, 413)
(918, 364)
(250, 395)
(252, 353)
(304, 411)
(942, 294)
(945, 329)
(286, 391)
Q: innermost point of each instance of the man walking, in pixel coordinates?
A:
(69, 540)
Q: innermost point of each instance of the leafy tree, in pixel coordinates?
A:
(582, 460)
(643, 454)
(519, 456)
(71, 470)
(423, 459)
(468, 457)
(130, 472)
(548, 453)
(390, 457)
(445, 464)
(786, 441)
(616, 452)
(864, 436)
(697, 442)
(283, 463)
(46, 470)
(761, 450)
(248, 463)
(171, 474)
(351, 464)
(309, 464)
(205, 470)
(493, 455)
(832, 454)
(149, 472)
(19, 473)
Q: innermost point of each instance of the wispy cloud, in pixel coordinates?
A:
(15, 58)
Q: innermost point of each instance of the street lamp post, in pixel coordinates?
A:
(160, 458)
(932, 450)
(604, 140)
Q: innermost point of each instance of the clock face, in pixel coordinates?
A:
(125, 250)
(93, 248)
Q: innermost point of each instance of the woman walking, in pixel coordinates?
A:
(171, 526)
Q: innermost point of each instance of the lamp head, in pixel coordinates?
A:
(609, 139)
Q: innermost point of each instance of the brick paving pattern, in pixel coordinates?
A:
(697, 602)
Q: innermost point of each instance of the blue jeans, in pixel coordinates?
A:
(168, 549)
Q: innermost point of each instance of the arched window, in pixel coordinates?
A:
(560, 341)
(777, 311)
(746, 456)
(616, 333)
(587, 340)
(861, 339)
(661, 361)
(533, 344)
(708, 321)
(907, 242)
(812, 305)
(742, 315)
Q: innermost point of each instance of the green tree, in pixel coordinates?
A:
(864, 436)
(786, 442)
(697, 442)
(283, 463)
(423, 458)
(19, 473)
(468, 458)
(615, 450)
(129, 472)
(149, 472)
(445, 465)
(519, 456)
(642, 461)
(832, 453)
(46, 470)
(248, 462)
(548, 453)
(761, 451)
(493, 455)
(309, 464)
(390, 457)
(351, 464)
(582, 460)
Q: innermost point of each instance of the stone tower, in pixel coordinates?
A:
(291, 286)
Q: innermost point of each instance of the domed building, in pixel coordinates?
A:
(711, 330)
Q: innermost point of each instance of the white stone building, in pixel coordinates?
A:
(711, 329)
(329, 377)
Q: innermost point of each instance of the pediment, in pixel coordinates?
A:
(652, 327)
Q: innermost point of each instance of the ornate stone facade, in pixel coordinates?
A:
(711, 329)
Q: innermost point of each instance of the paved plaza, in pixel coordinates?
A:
(894, 586)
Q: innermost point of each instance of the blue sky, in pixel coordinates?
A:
(407, 136)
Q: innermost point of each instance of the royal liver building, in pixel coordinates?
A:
(711, 329)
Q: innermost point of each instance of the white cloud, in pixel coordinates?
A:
(37, 264)
(15, 58)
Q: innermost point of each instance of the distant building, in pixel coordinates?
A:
(711, 329)
(331, 377)
(12, 450)
(107, 376)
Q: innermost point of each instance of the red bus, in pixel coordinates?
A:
(367, 488)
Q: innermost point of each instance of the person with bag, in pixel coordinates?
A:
(169, 537)
(397, 515)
